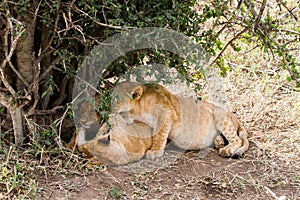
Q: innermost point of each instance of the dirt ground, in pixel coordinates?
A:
(270, 110)
(194, 175)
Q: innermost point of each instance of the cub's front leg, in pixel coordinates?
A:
(162, 127)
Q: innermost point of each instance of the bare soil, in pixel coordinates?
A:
(192, 176)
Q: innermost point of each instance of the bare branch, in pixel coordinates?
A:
(289, 31)
(99, 23)
(48, 70)
(4, 100)
(258, 17)
(18, 74)
(47, 112)
(289, 11)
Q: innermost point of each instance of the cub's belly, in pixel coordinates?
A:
(194, 140)
(196, 129)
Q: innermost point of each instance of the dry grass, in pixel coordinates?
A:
(265, 103)
(270, 109)
(267, 106)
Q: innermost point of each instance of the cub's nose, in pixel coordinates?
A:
(122, 114)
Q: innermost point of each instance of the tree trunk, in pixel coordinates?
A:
(16, 116)
(25, 66)
(17, 120)
(25, 51)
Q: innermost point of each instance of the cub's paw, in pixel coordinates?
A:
(230, 151)
(219, 142)
(226, 151)
(151, 154)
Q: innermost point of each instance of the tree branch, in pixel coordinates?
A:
(258, 17)
(99, 23)
(228, 43)
(47, 112)
(4, 100)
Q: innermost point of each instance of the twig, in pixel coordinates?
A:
(289, 31)
(99, 23)
(62, 92)
(290, 11)
(47, 112)
(48, 70)
(60, 122)
(258, 17)
(272, 194)
(230, 41)
(8, 155)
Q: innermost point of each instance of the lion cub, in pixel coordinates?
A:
(190, 124)
(151, 104)
(119, 143)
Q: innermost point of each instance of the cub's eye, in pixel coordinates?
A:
(108, 131)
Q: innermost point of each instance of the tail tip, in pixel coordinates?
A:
(236, 155)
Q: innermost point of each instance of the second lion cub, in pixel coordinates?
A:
(179, 119)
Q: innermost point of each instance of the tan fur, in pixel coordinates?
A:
(151, 104)
(88, 124)
(188, 124)
(120, 144)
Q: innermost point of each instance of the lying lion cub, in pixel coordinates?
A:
(121, 143)
(189, 124)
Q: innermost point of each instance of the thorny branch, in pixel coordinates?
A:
(290, 11)
(259, 16)
(259, 28)
(228, 43)
(279, 47)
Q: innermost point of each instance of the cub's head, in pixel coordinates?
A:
(109, 145)
(87, 121)
(118, 143)
(86, 114)
(112, 130)
(125, 96)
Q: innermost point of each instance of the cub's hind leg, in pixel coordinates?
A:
(228, 125)
(219, 142)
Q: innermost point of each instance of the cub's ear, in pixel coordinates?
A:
(137, 92)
